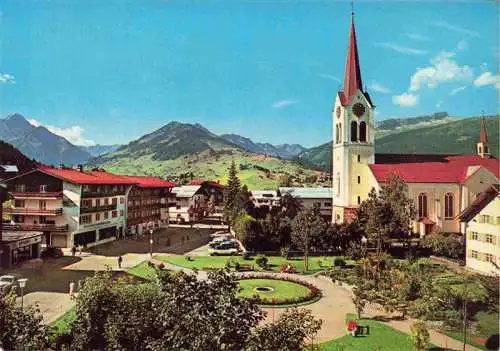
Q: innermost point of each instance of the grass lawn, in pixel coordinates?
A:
(487, 326)
(381, 337)
(61, 324)
(316, 264)
(280, 289)
(144, 271)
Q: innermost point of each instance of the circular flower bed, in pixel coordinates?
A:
(275, 291)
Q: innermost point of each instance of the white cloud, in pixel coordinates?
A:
(405, 100)
(462, 45)
(73, 134)
(283, 103)
(378, 87)
(456, 28)
(329, 76)
(417, 36)
(401, 49)
(457, 90)
(7, 78)
(443, 68)
(487, 78)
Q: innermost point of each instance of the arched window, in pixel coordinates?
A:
(362, 131)
(336, 134)
(422, 205)
(448, 206)
(340, 133)
(354, 131)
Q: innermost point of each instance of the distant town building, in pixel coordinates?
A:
(8, 171)
(482, 223)
(268, 198)
(198, 200)
(321, 197)
(440, 185)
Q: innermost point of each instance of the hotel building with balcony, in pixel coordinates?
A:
(147, 203)
(71, 207)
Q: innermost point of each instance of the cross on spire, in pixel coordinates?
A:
(352, 8)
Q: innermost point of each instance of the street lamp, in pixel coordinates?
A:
(22, 284)
(151, 243)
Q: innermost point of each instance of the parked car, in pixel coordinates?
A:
(226, 248)
(7, 283)
(219, 240)
(50, 251)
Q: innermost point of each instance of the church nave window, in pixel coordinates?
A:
(422, 205)
(359, 179)
(448, 206)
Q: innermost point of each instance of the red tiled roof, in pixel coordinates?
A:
(93, 177)
(352, 79)
(151, 182)
(449, 169)
(480, 202)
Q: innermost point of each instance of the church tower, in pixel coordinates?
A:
(482, 146)
(354, 133)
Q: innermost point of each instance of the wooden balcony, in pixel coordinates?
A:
(41, 227)
(37, 195)
(33, 211)
(110, 193)
(97, 208)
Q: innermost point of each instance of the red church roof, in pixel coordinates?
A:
(79, 177)
(352, 79)
(151, 182)
(450, 169)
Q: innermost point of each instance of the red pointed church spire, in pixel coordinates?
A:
(352, 79)
(483, 137)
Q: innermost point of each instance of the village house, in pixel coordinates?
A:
(482, 227)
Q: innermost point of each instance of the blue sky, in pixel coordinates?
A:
(111, 71)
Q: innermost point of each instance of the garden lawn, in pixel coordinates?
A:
(61, 324)
(144, 271)
(382, 337)
(316, 264)
(281, 289)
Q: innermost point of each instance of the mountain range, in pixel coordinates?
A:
(181, 148)
(433, 134)
(286, 151)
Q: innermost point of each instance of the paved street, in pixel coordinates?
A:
(51, 304)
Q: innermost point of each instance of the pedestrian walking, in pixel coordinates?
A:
(80, 249)
(73, 251)
(72, 290)
(120, 259)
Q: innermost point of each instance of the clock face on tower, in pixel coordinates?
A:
(338, 111)
(358, 109)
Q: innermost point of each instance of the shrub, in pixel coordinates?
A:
(246, 256)
(237, 266)
(339, 262)
(160, 266)
(261, 260)
(419, 335)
